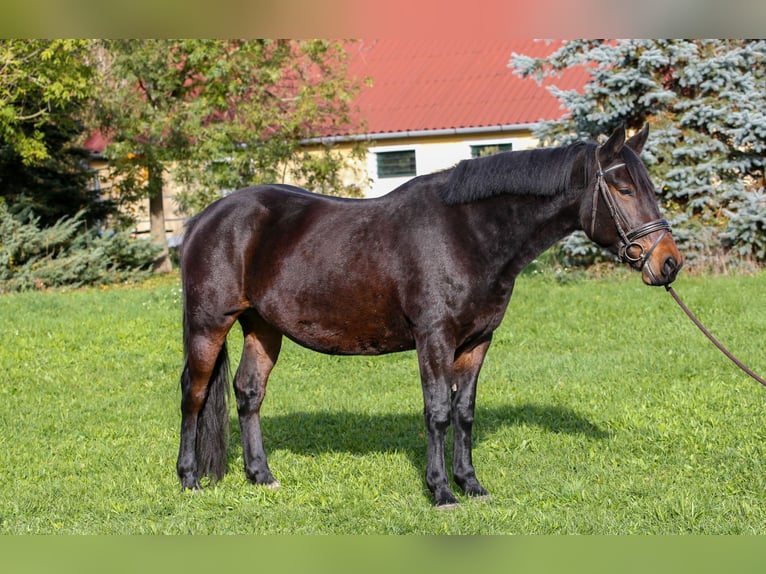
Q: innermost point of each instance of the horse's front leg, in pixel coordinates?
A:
(435, 359)
(465, 376)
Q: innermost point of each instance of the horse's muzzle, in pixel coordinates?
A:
(663, 267)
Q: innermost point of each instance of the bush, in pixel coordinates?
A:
(66, 253)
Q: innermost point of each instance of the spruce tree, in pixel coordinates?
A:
(704, 101)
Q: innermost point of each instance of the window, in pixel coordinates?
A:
(489, 149)
(396, 163)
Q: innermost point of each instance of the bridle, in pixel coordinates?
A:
(628, 239)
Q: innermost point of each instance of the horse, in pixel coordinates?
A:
(430, 266)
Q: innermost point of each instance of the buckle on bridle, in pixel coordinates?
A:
(624, 255)
(642, 231)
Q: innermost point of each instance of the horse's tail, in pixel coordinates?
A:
(212, 438)
(213, 422)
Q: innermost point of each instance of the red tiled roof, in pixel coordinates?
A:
(424, 85)
(451, 84)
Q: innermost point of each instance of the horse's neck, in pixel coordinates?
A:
(523, 227)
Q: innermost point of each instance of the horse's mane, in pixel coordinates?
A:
(546, 171)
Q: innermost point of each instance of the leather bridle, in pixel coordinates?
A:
(628, 239)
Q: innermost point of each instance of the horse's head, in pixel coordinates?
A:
(621, 212)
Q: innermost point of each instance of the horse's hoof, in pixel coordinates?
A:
(477, 491)
(191, 485)
(472, 488)
(274, 485)
(448, 506)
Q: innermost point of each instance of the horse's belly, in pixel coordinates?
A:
(368, 337)
(340, 325)
(335, 296)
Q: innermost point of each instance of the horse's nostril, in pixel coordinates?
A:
(670, 267)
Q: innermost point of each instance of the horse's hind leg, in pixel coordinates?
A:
(259, 354)
(204, 419)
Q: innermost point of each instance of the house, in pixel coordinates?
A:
(430, 104)
(434, 103)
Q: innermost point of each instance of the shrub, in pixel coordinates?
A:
(66, 253)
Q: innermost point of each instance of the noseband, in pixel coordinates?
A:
(627, 239)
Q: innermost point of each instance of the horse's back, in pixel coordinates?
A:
(250, 209)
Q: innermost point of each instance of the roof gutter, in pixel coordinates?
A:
(382, 136)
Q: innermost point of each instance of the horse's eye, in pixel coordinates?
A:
(625, 191)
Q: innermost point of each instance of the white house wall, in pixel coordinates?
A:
(431, 157)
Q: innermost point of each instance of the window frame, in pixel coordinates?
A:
(501, 147)
(390, 171)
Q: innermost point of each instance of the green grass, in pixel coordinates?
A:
(601, 410)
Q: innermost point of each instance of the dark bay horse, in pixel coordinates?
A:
(430, 266)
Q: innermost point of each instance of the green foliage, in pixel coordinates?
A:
(223, 114)
(300, 92)
(214, 115)
(704, 101)
(600, 410)
(45, 88)
(217, 116)
(66, 254)
(746, 229)
(41, 81)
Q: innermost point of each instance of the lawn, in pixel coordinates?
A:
(601, 410)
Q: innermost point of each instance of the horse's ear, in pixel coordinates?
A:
(612, 147)
(636, 143)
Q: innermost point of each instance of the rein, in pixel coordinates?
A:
(713, 340)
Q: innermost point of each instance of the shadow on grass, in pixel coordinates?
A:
(311, 433)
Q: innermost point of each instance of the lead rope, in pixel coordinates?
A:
(710, 336)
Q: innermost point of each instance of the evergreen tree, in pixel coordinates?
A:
(704, 101)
